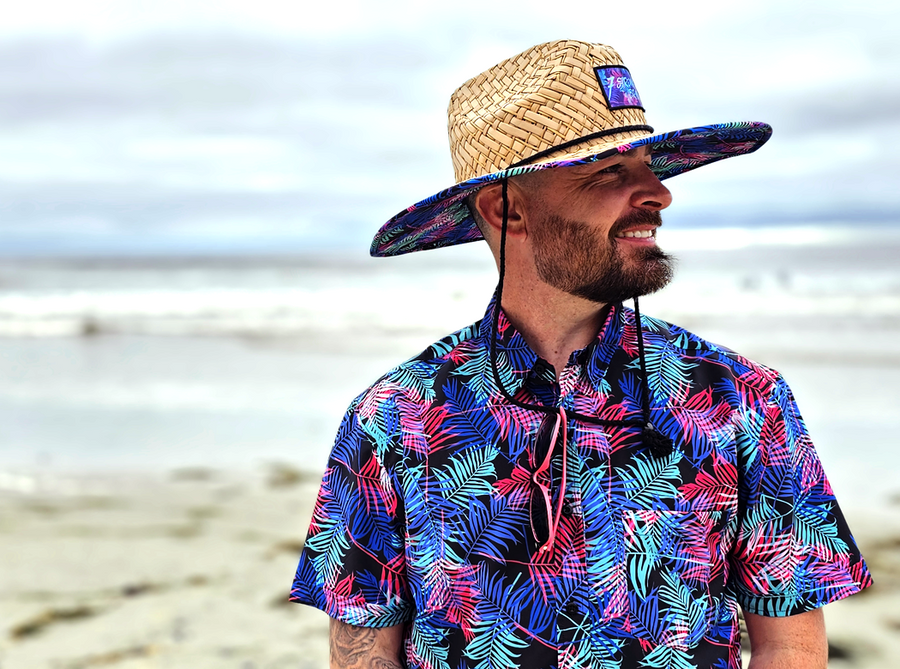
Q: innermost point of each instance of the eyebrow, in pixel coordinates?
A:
(592, 167)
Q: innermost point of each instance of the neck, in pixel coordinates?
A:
(553, 323)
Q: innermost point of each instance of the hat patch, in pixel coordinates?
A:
(618, 87)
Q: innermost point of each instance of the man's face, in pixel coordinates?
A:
(593, 228)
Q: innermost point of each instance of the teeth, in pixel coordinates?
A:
(641, 234)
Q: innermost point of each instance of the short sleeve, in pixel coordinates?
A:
(793, 550)
(353, 565)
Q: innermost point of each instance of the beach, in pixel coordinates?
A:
(166, 424)
(188, 570)
(192, 569)
(187, 306)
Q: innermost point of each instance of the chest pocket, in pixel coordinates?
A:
(675, 570)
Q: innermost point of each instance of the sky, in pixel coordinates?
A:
(237, 127)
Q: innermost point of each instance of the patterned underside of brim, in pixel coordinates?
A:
(444, 219)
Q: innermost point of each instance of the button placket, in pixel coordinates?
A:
(571, 611)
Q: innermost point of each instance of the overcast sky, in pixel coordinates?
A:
(188, 125)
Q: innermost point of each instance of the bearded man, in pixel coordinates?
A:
(567, 483)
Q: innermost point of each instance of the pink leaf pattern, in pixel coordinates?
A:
(428, 508)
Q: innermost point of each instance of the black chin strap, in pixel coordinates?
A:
(659, 444)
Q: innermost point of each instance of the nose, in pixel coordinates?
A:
(650, 193)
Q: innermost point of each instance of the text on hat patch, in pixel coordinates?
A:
(618, 87)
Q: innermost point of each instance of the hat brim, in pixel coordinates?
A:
(444, 218)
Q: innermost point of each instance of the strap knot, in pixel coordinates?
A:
(660, 445)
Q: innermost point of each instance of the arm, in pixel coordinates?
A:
(355, 647)
(792, 642)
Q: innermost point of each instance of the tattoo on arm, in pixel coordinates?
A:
(349, 643)
(381, 663)
(355, 647)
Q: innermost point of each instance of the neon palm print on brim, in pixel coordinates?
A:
(444, 220)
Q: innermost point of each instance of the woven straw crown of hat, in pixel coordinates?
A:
(543, 98)
(555, 105)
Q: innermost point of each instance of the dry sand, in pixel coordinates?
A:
(192, 569)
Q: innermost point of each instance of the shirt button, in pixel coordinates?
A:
(567, 509)
(571, 610)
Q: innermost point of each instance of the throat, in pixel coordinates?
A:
(555, 343)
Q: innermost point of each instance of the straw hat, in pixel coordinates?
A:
(557, 104)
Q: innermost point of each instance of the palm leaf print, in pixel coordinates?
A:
(748, 425)
(517, 487)
(423, 434)
(650, 479)
(713, 490)
(686, 612)
(478, 373)
(437, 434)
(703, 424)
(632, 389)
(414, 378)
(427, 552)
(668, 657)
(604, 559)
(375, 488)
(594, 439)
(351, 493)
(467, 476)
(495, 644)
(668, 372)
(754, 385)
(814, 528)
(595, 651)
(463, 596)
(467, 417)
(347, 444)
(643, 541)
(514, 426)
(423, 518)
(388, 586)
(645, 618)
(430, 646)
(331, 541)
(490, 529)
(449, 344)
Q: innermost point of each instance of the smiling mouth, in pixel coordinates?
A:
(640, 234)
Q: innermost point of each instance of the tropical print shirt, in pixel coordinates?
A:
(424, 514)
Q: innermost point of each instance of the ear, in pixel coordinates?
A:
(489, 202)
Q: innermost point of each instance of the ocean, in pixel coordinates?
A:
(156, 363)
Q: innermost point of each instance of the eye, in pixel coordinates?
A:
(612, 169)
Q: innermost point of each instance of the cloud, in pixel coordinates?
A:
(283, 118)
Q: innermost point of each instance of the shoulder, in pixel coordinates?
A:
(674, 343)
(413, 382)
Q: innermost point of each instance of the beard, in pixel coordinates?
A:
(573, 257)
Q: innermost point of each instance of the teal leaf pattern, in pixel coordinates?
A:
(428, 509)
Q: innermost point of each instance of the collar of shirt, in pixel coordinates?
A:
(519, 365)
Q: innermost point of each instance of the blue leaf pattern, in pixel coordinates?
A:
(424, 517)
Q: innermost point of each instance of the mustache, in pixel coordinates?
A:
(637, 217)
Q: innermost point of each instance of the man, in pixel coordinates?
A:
(567, 483)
